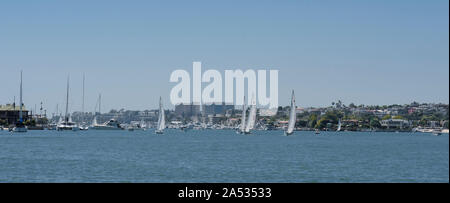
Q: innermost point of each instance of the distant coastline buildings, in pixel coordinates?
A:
(195, 109)
(353, 117)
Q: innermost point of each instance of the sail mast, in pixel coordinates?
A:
(20, 104)
(67, 101)
(82, 104)
(100, 103)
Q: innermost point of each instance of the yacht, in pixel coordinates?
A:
(112, 124)
(67, 124)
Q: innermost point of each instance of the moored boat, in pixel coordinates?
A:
(20, 126)
(67, 124)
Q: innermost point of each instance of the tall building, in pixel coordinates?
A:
(187, 110)
(214, 109)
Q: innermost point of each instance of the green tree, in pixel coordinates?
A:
(374, 123)
(312, 121)
(386, 117)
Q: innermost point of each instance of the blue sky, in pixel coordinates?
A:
(366, 52)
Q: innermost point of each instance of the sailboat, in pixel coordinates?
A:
(142, 125)
(83, 125)
(244, 112)
(94, 122)
(292, 117)
(20, 126)
(339, 126)
(161, 119)
(60, 119)
(251, 117)
(67, 124)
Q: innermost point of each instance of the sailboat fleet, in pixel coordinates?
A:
(65, 122)
(248, 120)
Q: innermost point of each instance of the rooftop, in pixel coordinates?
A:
(10, 107)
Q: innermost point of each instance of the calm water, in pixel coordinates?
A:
(222, 156)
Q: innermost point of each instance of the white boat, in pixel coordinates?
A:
(161, 119)
(112, 124)
(339, 126)
(20, 126)
(292, 117)
(251, 117)
(137, 126)
(67, 124)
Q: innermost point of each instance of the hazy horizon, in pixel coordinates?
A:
(372, 53)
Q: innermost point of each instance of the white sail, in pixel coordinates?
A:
(244, 111)
(60, 119)
(142, 124)
(94, 122)
(339, 125)
(161, 119)
(251, 117)
(292, 115)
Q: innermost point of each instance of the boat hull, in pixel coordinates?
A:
(67, 129)
(20, 130)
(104, 128)
(288, 133)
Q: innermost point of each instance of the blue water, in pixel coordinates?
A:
(222, 156)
